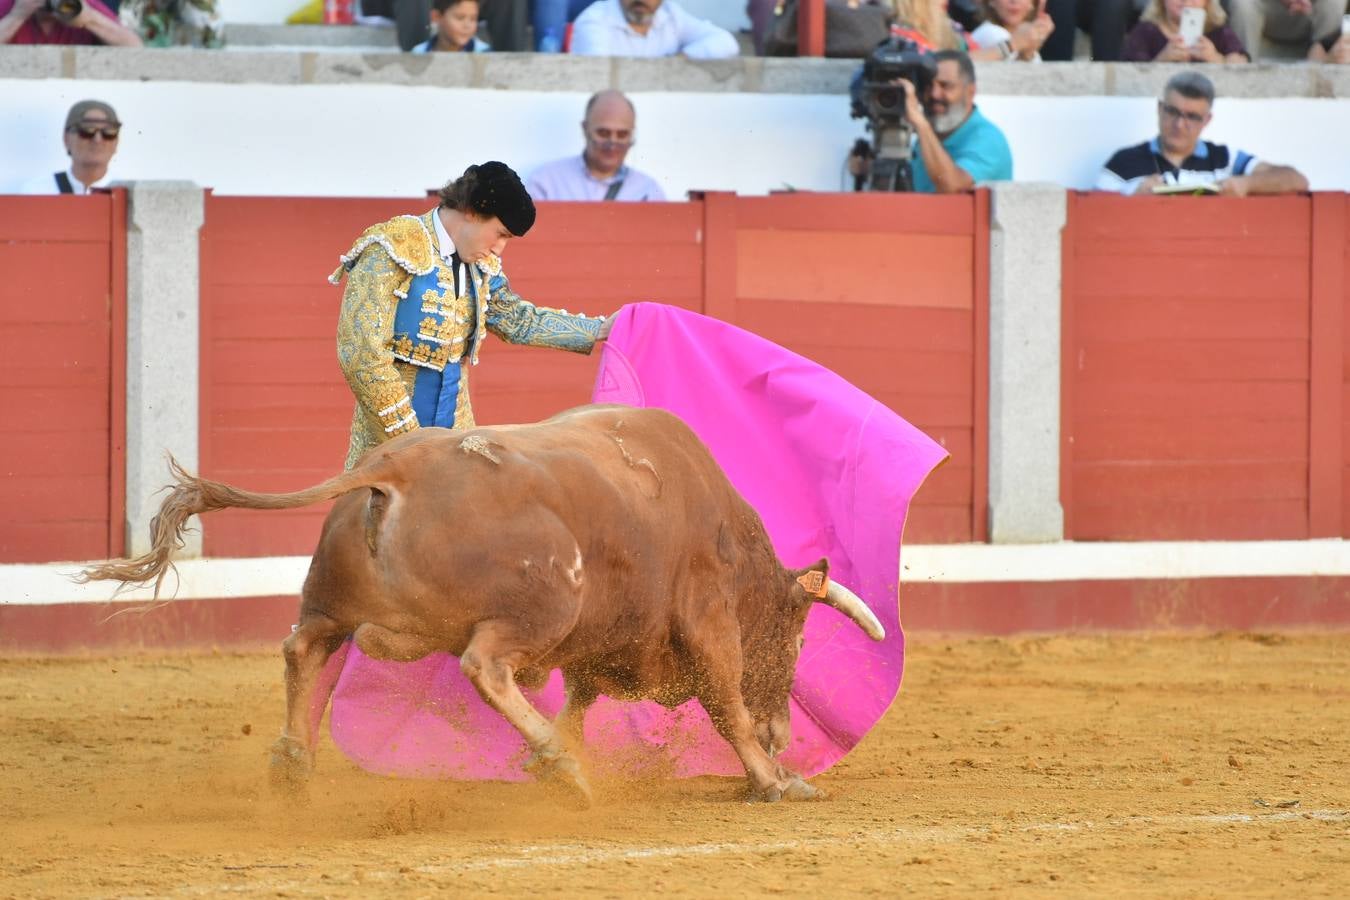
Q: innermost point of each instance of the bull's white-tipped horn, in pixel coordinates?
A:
(851, 605)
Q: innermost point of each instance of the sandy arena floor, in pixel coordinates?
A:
(1144, 766)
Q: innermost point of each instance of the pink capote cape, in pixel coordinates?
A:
(831, 472)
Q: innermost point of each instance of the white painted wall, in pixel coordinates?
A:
(320, 140)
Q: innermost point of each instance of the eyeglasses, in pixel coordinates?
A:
(608, 136)
(109, 132)
(1192, 118)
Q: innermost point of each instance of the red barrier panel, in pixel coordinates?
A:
(62, 377)
(886, 290)
(1204, 352)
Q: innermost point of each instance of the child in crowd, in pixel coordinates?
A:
(1157, 37)
(454, 27)
(1011, 30)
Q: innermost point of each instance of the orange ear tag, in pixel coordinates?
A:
(813, 583)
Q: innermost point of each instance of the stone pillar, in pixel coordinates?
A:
(164, 219)
(1024, 362)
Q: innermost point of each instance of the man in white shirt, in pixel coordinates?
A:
(91, 134)
(598, 173)
(648, 28)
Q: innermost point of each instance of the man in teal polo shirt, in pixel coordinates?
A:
(955, 146)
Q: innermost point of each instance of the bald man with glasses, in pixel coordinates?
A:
(1177, 158)
(600, 172)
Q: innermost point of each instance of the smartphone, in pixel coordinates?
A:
(1192, 25)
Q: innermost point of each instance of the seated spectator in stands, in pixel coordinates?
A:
(170, 23)
(609, 129)
(648, 28)
(91, 133)
(1293, 26)
(1157, 37)
(550, 18)
(1334, 48)
(926, 23)
(1177, 156)
(1011, 29)
(1105, 22)
(955, 146)
(454, 28)
(85, 22)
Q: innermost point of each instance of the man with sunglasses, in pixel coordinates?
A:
(609, 129)
(92, 130)
(43, 22)
(1177, 158)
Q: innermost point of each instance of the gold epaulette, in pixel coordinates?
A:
(405, 238)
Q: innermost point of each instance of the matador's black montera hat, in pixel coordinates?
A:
(498, 191)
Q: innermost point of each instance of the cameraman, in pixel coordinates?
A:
(62, 22)
(956, 146)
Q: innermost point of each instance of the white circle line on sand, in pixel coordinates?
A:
(572, 854)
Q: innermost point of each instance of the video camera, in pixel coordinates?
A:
(878, 98)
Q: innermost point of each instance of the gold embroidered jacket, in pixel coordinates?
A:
(406, 336)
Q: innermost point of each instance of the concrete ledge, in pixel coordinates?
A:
(549, 72)
(245, 34)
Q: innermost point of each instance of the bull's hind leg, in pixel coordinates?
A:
(306, 650)
(490, 661)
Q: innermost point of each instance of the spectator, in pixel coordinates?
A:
(91, 133)
(166, 23)
(1157, 37)
(454, 28)
(1294, 26)
(85, 22)
(956, 147)
(599, 173)
(1012, 29)
(1105, 21)
(926, 23)
(648, 28)
(1334, 48)
(1177, 156)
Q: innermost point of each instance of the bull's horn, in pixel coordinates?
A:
(851, 605)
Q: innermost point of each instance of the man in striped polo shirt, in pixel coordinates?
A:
(1177, 158)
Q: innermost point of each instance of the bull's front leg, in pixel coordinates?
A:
(494, 652)
(307, 651)
(721, 697)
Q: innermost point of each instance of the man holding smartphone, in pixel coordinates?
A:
(1178, 159)
(1290, 27)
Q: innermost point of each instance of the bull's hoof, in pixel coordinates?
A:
(792, 789)
(290, 767)
(562, 773)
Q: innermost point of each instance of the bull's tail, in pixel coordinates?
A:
(193, 495)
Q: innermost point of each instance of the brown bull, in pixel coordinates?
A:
(605, 542)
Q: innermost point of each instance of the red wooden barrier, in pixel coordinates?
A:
(62, 377)
(1204, 356)
(880, 288)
